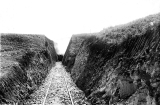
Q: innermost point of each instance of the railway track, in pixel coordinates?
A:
(68, 91)
(58, 89)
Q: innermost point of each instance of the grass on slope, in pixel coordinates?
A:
(26, 60)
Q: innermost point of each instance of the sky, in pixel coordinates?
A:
(60, 19)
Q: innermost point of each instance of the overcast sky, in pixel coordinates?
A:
(59, 19)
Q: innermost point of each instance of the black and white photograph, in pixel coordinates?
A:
(79, 52)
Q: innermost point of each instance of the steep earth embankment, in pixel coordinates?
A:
(120, 65)
(25, 61)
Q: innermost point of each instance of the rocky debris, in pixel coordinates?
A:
(25, 61)
(58, 89)
(119, 65)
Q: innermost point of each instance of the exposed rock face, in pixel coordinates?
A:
(119, 65)
(72, 50)
(25, 61)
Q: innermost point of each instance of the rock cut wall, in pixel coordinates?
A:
(120, 65)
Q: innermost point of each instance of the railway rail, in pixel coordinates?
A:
(57, 89)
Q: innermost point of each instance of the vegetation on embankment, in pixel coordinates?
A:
(25, 62)
(119, 64)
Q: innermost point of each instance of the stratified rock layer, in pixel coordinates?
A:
(25, 61)
(120, 65)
